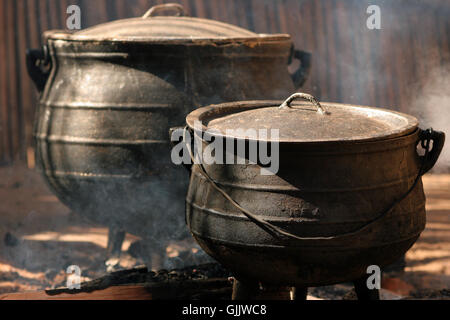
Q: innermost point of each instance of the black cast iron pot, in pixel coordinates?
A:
(110, 93)
(347, 195)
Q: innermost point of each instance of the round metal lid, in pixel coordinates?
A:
(303, 122)
(155, 28)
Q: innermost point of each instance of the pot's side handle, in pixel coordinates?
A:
(38, 66)
(438, 138)
(301, 74)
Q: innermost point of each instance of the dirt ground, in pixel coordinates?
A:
(428, 261)
(40, 238)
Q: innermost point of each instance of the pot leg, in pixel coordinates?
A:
(244, 290)
(116, 237)
(299, 293)
(363, 292)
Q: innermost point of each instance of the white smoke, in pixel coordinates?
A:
(431, 104)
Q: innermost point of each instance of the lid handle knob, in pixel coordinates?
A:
(165, 7)
(287, 103)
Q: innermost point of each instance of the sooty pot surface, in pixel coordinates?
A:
(346, 195)
(110, 93)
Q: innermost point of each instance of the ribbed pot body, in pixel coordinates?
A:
(104, 116)
(321, 190)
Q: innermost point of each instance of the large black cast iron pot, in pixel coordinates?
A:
(110, 93)
(347, 195)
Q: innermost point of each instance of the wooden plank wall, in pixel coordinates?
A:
(351, 63)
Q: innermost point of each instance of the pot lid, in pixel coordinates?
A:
(157, 28)
(303, 122)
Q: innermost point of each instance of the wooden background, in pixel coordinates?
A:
(388, 67)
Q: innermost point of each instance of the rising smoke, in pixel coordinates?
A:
(431, 104)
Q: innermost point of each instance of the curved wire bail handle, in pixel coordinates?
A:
(305, 96)
(165, 7)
